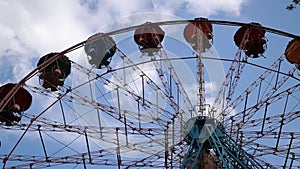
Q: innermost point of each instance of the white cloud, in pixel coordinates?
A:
(213, 7)
(42, 25)
(167, 6)
(199, 8)
(14, 65)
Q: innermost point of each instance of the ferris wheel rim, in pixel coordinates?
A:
(78, 45)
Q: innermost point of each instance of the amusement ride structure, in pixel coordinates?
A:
(108, 106)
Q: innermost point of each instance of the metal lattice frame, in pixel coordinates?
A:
(248, 128)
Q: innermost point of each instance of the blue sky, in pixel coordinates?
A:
(30, 29)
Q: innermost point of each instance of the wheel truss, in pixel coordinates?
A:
(248, 118)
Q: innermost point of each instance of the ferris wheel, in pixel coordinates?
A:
(159, 95)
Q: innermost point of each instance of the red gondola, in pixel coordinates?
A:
(149, 38)
(100, 50)
(194, 31)
(250, 39)
(55, 73)
(292, 52)
(20, 102)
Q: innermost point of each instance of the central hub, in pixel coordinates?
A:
(199, 129)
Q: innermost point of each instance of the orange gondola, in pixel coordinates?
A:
(19, 102)
(149, 38)
(251, 40)
(194, 31)
(55, 73)
(292, 52)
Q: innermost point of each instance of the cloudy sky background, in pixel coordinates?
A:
(32, 28)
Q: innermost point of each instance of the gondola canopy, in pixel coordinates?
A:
(292, 52)
(19, 102)
(251, 40)
(198, 33)
(149, 38)
(100, 49)
(55, 73)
